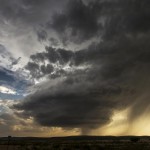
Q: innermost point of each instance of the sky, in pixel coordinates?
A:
(74, 67)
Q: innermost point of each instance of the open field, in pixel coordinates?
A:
(76, 143)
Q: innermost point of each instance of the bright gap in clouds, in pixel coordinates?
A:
(7, 90)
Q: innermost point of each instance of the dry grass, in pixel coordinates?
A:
(74, 144)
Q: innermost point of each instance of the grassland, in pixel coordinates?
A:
(76, 143)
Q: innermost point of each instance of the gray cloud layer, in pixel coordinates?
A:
(119, 65)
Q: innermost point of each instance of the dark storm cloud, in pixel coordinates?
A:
(46, 69)
(70, 107)
(127, 17)
(53, 42)
(118, 76)
(42, 35)
(102, 86)
(33, 12)
(38, 67)
(33, 67)
(78, 22)
(62, 57)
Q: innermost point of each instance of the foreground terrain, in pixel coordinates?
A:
(76, 143)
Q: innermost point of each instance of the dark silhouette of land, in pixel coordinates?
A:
(76, 143)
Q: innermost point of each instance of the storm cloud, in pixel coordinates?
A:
(91, 83)
(79, 22)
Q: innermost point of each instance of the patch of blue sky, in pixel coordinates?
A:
(9, 78)
(5, 96)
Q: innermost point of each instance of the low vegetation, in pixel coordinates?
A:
(76, 143)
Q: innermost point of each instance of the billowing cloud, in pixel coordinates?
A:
(82, 88)
(88, 98)
(79, 22)
(11, 124)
